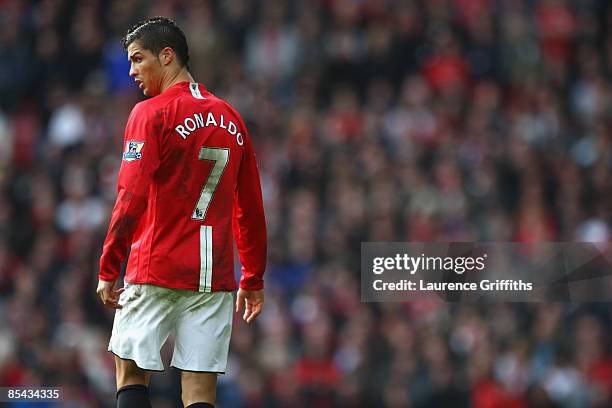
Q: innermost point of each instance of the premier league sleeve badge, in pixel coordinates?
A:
(133, 150)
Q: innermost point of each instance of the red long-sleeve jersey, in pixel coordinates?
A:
(188, 185)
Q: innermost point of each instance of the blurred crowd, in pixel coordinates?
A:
(372, 120)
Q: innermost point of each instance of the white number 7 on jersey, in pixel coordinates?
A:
(220, 156)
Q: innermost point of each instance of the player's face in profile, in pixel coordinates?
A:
(145, 69)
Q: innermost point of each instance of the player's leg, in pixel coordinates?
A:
(128, 373)
(132, 384)
(203, 331)
(198, 388)
(140, 329)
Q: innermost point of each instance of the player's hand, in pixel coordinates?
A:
(253, 303)
(108, 295)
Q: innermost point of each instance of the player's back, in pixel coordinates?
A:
(184, 237)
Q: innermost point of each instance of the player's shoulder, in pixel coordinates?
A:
(150, 105)
(224, 105)
(148, 109)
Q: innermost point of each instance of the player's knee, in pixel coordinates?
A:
(131, 378)
(198, 394)
(128, 373)
(198, 387)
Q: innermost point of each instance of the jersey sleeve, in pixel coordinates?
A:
(249, 223)
(140, 160)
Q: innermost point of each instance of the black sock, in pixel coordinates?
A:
(200, 405)
(133, 396)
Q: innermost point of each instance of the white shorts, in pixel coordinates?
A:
(202, 323)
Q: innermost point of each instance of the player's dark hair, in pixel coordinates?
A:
(156, 33)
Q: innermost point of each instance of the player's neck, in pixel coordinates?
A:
(181, 76)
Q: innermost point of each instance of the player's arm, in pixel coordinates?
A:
(140, 160)
(249, 225)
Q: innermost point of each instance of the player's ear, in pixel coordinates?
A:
(166, 56)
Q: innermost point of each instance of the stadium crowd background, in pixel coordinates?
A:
(373, 120)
